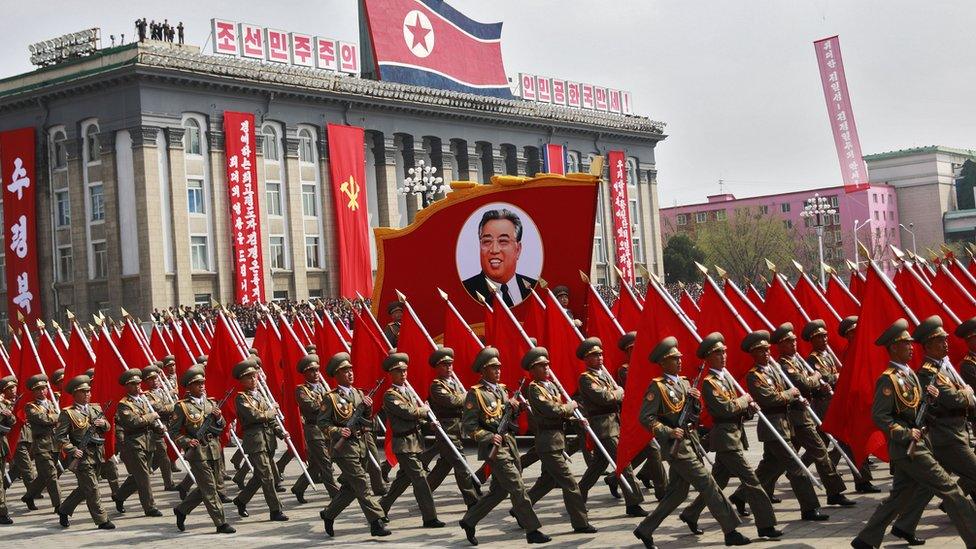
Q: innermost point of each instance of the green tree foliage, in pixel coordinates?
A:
(743, 242)
(680, 255)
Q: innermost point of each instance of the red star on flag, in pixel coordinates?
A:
(419, 33)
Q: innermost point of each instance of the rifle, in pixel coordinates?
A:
(922, 415)
(357, 416)
(505, 424)
(690, 413)
(3, 428)
(90, 437)
(209, 428)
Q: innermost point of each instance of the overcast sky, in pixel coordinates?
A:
(735, 81)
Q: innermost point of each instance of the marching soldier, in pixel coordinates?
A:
(484, 408)
(169, 369)
(446, 398)
(392, 329)
(202, 455)
(948, 432)
(137, 421)
(549, 415)
(600, 399)
(23, 462)
(42, 416)
(407, 416)
(728, 440)
(163, 404)
(257, 417)
(108, 469)
(57, 376)
(805, 432)
(770, 391)
(8, 392)
(967, 368)
(80, 431)
(898, 394)
(338, 411)
(561, 293)
(660, 414)
(310, 396)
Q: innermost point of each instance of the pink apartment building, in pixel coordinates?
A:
(875, 209)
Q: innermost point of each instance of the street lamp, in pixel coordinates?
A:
(911, 232)
(423, 182)
(819, 212)
(857, 227)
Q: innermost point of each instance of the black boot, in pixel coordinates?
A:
(329, 524)
(612, 483)
(840, 499)
(241, 508)
(769, 532)
(107, 525)
(636, 511)
(536, 536)
(468, 532)
(30, 503)
(866, 488)
(376, 528)
(300, 496)
(692, 525)
(736, 538)
(588, 529)
(858, 543)
(740, 506)
(154, 513)
(648, 540)
(910, 538)
(119, 505)
(225, 529)
(814, 515)
(64, 520)
(433, 523)
(278, 516)
(180, 520)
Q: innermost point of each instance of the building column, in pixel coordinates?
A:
(263, 221)
(327, 207)
(152, 267)
(113, 254)
(497, 162)
(386, 182)
(182, 263)
(651, 219)
(448, 162)
(79, 221)
(521, 162)
(475, 171)
(223, 247)
(296, 219)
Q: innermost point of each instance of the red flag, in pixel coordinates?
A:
(182, 352)
(628, 308)
(963, 276)
(601, 323)
(60, 344)
(856, 285)
(347, 166)
(48, 353)
(79, 359)
(202, 340)
(746, 308)
(951, 290)
(841, 297)
(106, 390)
(920, 298)
(533, 316)
(328, 339)
(562, 339)
(132, 352)
(415, 341)
(369, 348)
(224, 355)
(659, 321)
(269, 346)
(753, 294)
(718, 315)
(292, 350)
(849, 417)
(510, 340)
(158, 344)
(303, 336)
(191, 339)
(781, 306)
(689, 306)
(459, 336)
(817, 306)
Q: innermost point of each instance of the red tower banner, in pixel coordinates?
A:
(621, 215)
(242, 184)
(17, 172)
(841, 114)
(347, 169)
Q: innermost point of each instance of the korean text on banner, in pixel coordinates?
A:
(840, 114)
(621, 215)
(242, 195)
(17, 149)
(347, 169)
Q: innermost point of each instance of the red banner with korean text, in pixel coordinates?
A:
(242, 195)
(621, 215)
(17, 172)
(841, 114)
(348, 172)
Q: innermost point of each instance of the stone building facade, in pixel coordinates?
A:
(132, 206)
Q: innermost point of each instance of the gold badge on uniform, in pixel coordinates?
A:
(469, 405)
(650, 396)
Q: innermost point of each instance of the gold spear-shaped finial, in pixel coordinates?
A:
(864, 251)
(215, 304)
(828, 269)
(40, 324)
(643, 271)
(620, 274)
(681, 286)
(491, 286)
(70, 315)
(764, 280)
(770, 265)
(400, 297)
(542, 283)
(898, 253)
(56, 325)
(702, 268)
(586, 279)
(98, 322)
(481, 298)
(722, 273)
(797, 266)
(442, 293)
(125, 314)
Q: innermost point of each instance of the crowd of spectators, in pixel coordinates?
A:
(249, 316)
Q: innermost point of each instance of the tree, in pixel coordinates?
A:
(742, 243)
(680, 255)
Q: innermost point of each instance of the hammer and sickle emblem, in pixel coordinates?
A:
(351, 189)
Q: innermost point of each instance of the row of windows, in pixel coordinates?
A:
(62, 206)
(886, 216)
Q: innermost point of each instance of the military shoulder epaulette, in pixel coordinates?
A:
(931, 367)
(888, 370)
(658, 378)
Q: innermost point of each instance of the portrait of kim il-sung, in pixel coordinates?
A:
(509, 253)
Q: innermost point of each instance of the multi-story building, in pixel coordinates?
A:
(873, 209)
(934, 186)
(132, 206)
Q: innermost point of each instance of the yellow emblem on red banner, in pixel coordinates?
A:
(351, 189)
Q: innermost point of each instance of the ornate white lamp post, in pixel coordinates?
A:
(818, 212)
(423, 182)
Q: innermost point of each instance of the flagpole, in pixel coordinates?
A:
(37, 357)
(186, 346)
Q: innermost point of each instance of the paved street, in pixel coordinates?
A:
(40, 528)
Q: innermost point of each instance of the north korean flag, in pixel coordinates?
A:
(429, 43)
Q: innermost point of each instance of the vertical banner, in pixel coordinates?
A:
(17, 171)
(555, 159)
(245, 228)
(347, 170)
(621, 215)
(841, 115)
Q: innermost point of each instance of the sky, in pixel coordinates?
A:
(736, 82)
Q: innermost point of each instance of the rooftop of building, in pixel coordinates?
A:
(235, 73)
(729, 198)
(928, 149)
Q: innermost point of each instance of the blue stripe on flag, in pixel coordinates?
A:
(420, 77)
(483, 31)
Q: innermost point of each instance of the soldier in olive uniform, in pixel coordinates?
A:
(805, 432)
(163, 402)
(600, 399)
(446, 399)
(338, 409)
(42, 417)
(392, 329)
(137, 420)
(23, 463)
(821, 361)
(257, 418)
(728, 440)
(484, 408)
(8, 391)
(652, 473)
(203, 455)
(549, 416)
(771, 392)
(948, 432)
(407, 415)
(967, 367)
(898, 394)
(309, 396)
(74, 423)
(660, 414)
